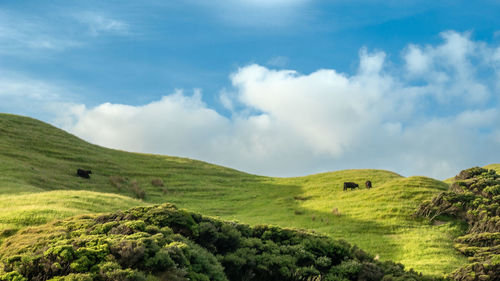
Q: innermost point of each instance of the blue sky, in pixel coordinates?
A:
(277, 87)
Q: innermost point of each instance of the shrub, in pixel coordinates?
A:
(370, 272)
(117, 181)
(336, 212)
(348, 269)
(73, 277)
(138, 191)
(164, 243)
(299, 212)
(473, 199)
(128, 252)
(470, 173)
(12, 276)
(493, 190)
(136, 225)
(157, 182)
(8, 232)
(301, 198)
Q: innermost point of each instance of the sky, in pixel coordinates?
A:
(270, 87)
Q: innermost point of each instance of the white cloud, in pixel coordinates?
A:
(99, 23)
(30, 35)
(287, 123)
(226, 100)
(292, 123)
(371, 63)
(174, 123)
(257, 13)
(278, 61)
(21, 94)
(417, 62)
(323, 110)
(25, 34)
(269, 3)
(450, 69)
(478, 118)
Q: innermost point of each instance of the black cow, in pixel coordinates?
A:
(368, 184)
(350, 185)
(84, 173)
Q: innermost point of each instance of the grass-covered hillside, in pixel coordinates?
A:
(19, 211)
(38, 183)
(164, 243)
(495, 167)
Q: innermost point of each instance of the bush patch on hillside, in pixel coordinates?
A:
(157, 182)
(474, 198)
(164, 243)
(122, 183)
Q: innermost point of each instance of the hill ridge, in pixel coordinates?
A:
(378, 220)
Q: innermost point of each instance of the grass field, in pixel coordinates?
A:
(495, 167)
(38, 183)
(18, 211)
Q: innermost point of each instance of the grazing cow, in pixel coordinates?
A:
(84, 173)
(368, 184)
(350, 185)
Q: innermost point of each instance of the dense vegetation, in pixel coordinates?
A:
(38, 184)
(475, 198)
(164, 243)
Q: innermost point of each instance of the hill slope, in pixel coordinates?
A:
(495, 167)
(474, 197)
(164, 243)
(19, 211)
(37, 158)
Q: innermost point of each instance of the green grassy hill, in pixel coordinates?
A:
(38, 183)
(164, 243)
(495, 167)
(19, 211)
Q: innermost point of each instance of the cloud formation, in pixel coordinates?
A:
(28, 34)
(256, 13)
(25, 95)
(99, 23)
(433, 115)
(270, 3)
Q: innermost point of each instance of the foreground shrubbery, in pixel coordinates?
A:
(475, 198)
(163, 243)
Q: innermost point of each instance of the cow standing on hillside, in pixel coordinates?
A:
(368, 184)
(350, 185)
(84, 173)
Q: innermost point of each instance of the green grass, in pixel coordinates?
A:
(37, 158)
(495, 167)
(379, 220)
(163, 242)
(19, 211)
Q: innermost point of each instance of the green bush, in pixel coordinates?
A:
(164, 243)
(475, 199)
(471, 172)
(12, 276)
(73, 277)
(493, 190)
